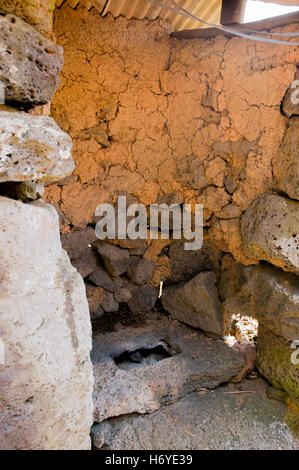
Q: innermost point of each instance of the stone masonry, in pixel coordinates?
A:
(46, 375)
(158, 120)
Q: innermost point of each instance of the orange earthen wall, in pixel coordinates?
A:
(167, 120)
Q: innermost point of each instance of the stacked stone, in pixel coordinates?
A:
(196, 303)
(33, 149)
(38, 13)
(45, 369)
(270, 292)
(113, 275)
(118, 274)
(192, 361)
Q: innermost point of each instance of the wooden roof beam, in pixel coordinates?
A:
(262, 25)
(232, 11)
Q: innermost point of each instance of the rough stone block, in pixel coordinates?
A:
(270, 231)
(274, 362)
(141, 270)
(33, 148)
(38, 13)
(221, 419)
(195, 303)
(143, 298)
(109, 304)
(95, 296)
(265, 293)
(46, 378)
(78, 246)
(116, 260)
(76, 242)
(286, 162)
(123, 295)
(136, 247)
(101, 278)
(138, 369)
(30, 63)
(186, 264)
(86, 264)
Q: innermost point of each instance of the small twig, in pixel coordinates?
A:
(240, 391)
(190, 433)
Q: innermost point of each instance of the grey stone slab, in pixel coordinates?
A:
(143, 385)
(223, 419)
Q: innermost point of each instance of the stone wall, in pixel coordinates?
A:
(46, 375)
(194, 121)
(160, 121)
(167, 120)
(38, 13)
(46, 378)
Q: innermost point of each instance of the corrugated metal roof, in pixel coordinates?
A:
(207, 10)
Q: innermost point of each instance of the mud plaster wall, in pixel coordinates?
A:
(167, 120)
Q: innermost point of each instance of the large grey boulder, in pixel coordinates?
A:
(270, 231)
(195, 303)
(265, 293)
(35, 12)
(139, 368)
(274, 361)
(272, 297)
(286, 163)
(33, 148)
(30, 63)
(228, 418)
(45, 375)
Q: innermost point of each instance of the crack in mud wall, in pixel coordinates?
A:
(166, 120)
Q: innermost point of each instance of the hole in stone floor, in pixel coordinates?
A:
(128, 360)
